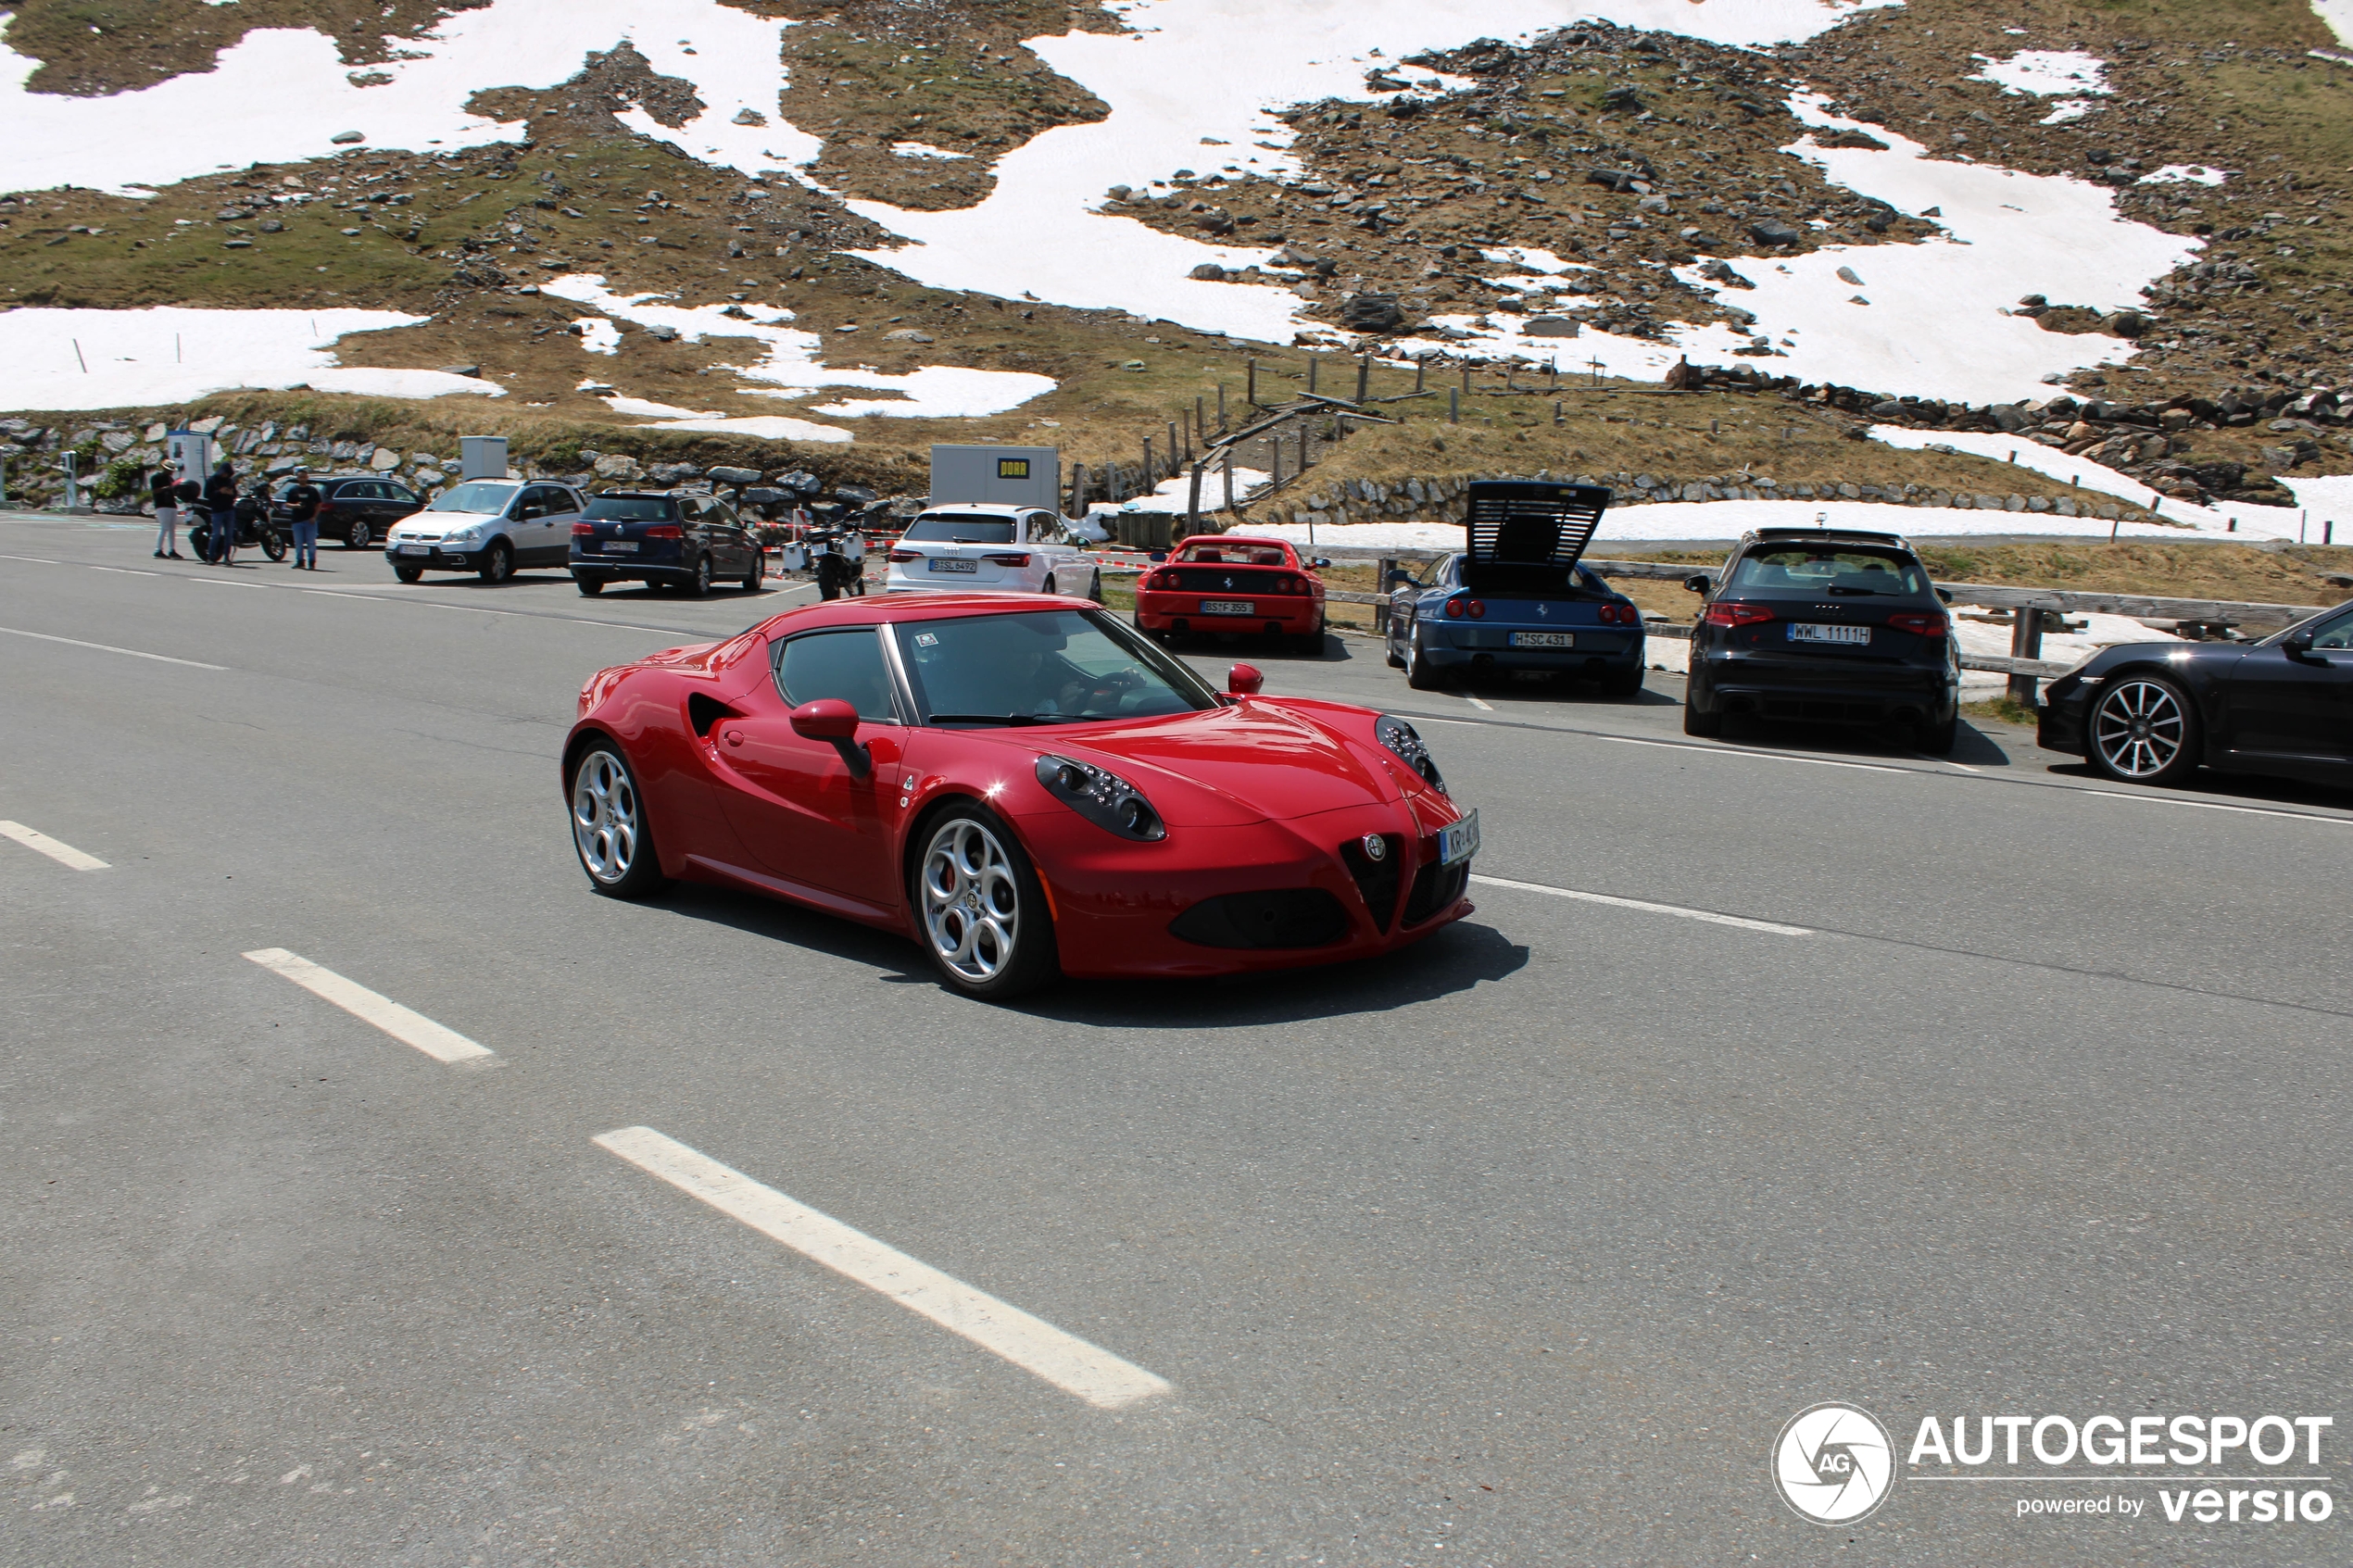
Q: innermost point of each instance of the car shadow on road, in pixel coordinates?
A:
(2252, 789)
(1972, 748)
(1452, 959)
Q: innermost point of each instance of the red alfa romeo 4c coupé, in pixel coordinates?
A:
(1020, 783)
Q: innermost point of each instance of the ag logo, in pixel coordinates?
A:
(1835, 1463)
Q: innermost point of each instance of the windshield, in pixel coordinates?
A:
(1814, 568)
(630, 508)
(475, 495)
(1242, 554)
(1046, 667)
(959, 528)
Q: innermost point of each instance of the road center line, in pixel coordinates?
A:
(63, 853)
(408, 1028)
(1773, 927)
(37, 561)
(2208, 805)
(1482, 707)
(109, 647)
(1035, 1346)
(1764, 756)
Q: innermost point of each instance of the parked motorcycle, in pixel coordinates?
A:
(254, 525)
(838, 557)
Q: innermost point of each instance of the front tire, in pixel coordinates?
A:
(608, 827)
(274, 544)
(758, 574)
(2144, 731)
(500, 564)
(981, 911)
(409, 574)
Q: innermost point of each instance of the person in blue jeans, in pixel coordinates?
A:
(302, 504)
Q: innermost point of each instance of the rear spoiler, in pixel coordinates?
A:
(1529, 522)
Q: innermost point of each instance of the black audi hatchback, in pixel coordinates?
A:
(2153, 713)
(1824, 626)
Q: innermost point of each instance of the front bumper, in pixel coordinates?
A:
(2060, 722)
(1114, 902)
(437, 559)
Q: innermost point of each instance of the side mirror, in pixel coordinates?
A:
(1243, 679)
(830, 719)
(1320, 562)
(2299, 645)
(1156, 555)
(1944, 594)
(1401, 578)
(1700, 582)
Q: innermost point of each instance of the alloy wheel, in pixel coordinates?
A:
(2139, 728)
(972, 900)
(607, 821)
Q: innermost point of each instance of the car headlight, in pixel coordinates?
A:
(1102, 798)
(460, 537)
(1406, 743)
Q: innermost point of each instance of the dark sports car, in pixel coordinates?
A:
(1024, 786)
(2155, 712)
(1515, 602)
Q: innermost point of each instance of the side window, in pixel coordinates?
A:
(724, 515)
(526, 506)
(690, 511)
(361, 490)
(847, 664)
(558, 501)
(401, 494)
(1045, 529)
(2337, 634)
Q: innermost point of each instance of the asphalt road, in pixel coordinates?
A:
(2018, 1095)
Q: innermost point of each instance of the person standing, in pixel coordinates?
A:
(301, 500)
(164, 487)
(220, 497)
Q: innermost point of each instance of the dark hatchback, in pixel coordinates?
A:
(671, 539)
(2153, 713)
(357, 508)
(1824, 626)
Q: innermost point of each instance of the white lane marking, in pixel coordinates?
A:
(1483, 707)
(63, 853)
(1035, 1346)
(128, 571)
(1461, 723)
(224, 582)
(2210, 806)
(1774, 927)
(37, 561)
(408, 1028)
(109, 647)
(1762, 756)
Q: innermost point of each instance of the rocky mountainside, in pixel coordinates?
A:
(1563, 191)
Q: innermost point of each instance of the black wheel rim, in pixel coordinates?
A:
(2139, 729)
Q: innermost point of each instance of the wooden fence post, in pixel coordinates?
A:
(1229, 479)
(1363, 376)
(1250, 386)
(1221, 408)
(1454, 406)
(1147, 463)
(1174, 450)
(1192, 502)
(1313, 364)
(1381, 569)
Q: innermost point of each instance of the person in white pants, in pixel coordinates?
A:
(167, 511)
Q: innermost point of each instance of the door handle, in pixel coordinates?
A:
(735, 737)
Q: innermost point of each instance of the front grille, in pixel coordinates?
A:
(1435, 889)
(1377, 880)
(1282, 917)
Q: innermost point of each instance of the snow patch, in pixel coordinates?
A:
(2046, 74)
(2067, 109)
(2260, 522)
(920, 149)
(65, 359)
(791, 369)
(2338, 15)
(2185, 174)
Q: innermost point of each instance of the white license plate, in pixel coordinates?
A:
(1814, 632)
(1228, 607)
(416, 549)
(942, 563)
(621, 545)
(1543, 639)
(1459, 841)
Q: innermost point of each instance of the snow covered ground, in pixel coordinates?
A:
(790, 366)
(2258, 522)
(1729, 519)
(124, 359)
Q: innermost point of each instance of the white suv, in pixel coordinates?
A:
(978, 547)
(491, 526)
